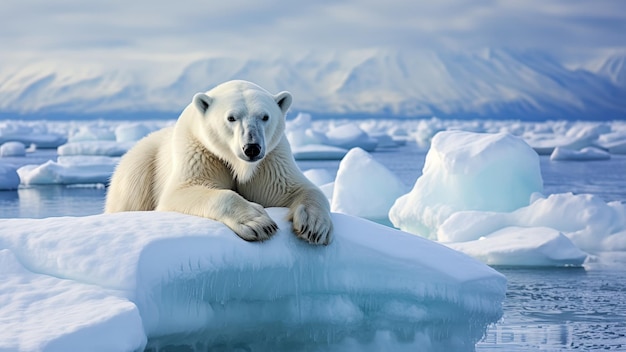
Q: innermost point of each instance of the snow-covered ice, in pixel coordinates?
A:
(523, 246)
(12, 149)
(364, 187)
(585, 154)
(349, 136)
(586, 220)
(38, 134)
(131, 132)
(115, 282)
(69, 170)
(98, 147)
(318, 152)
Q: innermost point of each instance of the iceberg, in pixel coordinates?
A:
(468, 171)
(523, 246)
(586, 220)
(481, 194)
(135, 280)
(319, 177)
(364, 187)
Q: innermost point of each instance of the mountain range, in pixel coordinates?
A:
(490, 84)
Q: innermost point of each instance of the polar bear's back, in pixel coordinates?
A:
(136, 176)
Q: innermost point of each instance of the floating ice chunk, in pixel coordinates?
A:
(185, 280)
(106, 148)
(576, 137)
(364, 187)
(12, 149)
(303, 137)
(590, 223)
(69, 170)
(300, 133)
(13, 131)
(350, 136)
(9, 178)
(319, 177)
(318, 152)
(545, 143)
(585, 219)
(468, 171)
(131, 132)
(585, 154)
(91, 133)
(521, 246)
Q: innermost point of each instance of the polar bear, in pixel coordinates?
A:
(225, 158)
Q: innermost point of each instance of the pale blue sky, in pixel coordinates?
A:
(114, 30)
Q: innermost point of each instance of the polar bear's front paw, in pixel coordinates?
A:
(255, 225)
(312, 224)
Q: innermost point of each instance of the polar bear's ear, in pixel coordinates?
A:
(202, 102)
(283, 99)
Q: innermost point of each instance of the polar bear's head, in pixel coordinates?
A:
(241, 123)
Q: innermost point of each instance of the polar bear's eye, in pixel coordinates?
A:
(265, 117)
(230, 118)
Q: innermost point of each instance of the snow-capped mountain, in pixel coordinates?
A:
(496, 84)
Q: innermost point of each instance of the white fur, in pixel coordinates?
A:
(198, 167)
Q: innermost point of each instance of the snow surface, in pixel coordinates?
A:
(115, 282)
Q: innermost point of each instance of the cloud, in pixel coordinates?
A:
(121, 30)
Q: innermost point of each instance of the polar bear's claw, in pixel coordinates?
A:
(312, 224)
(259, 228)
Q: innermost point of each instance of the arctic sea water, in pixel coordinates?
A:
(546, 309)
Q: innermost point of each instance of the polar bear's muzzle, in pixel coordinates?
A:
(253, 151)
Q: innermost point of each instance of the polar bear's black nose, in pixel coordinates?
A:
(252, 150)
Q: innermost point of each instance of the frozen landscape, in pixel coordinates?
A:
(473, 153)
(478, 189)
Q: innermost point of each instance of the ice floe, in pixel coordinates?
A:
(119, 282)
